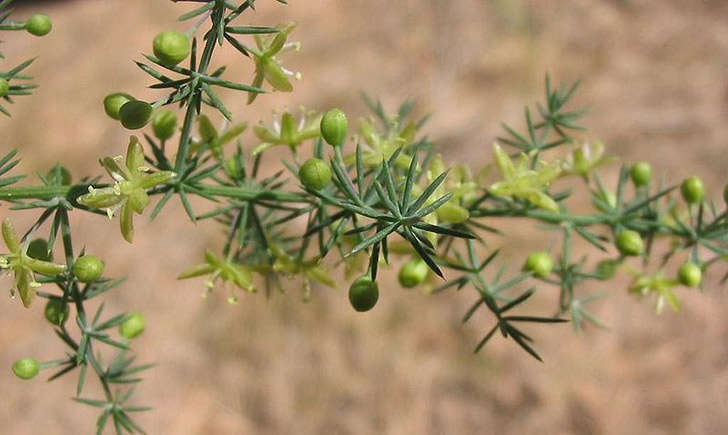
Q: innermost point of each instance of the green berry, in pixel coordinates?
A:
(56, 311)
(171, 47)
(135, 114)
(38, 25)
(26, 368)
(413, 273)
(164, 124)
(4, 87)
(641, 173)
(315, 174)
(629, 243)
(540, 264)
(334, 126)
(606, 269)
(692, 190)
(132, 326)
(38, 249)
(363, 294)
(690, 275)
(88, 268)
(113, 103)
(59, 176)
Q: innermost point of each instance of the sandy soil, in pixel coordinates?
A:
(655, 77)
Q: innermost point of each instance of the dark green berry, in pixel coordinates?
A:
(88, 268)
(56, 311)
(334, 126)
(132, 326)
(692, 190)
(363, 294)
(315, 174)
(629, 243)
(164, 124)
(26, 368)
(540, 264)
(38, 25)
(413, 273)
(113, 103)
(135, 114)
(4, 87)
(690, 275)
(641, 174)
(171, 47)
(38, 249)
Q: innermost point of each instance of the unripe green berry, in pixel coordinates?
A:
(363, 294)
(4, 87)
(641, 173)
(88, 268)
(133, 326)
(629, 243)
(690, 275)
(135, 114)
(59, 176)
(56, 311)
(692, 190)
(171, 47)
(334, 126)
(164, 124)
(26, 368)
(540, 264)
(38, 25)
(413, 273)
(315, 174)
(606, 269)
(38, 249)
(113, 103)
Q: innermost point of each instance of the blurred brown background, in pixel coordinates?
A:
(655, 77)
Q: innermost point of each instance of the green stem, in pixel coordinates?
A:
(33, 192)
(241, 193)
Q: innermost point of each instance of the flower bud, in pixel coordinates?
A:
(4, 87)
(641, 174)
(315, 174)
(88, 268)
(113, 103)
(164, 124)
(38, 25)
(231, 167)
(629, 243)
(133, 326)
(413, 273)
(171, 47)
(56, 311)
(453, 213)
(363, 294)
(690, 275)
(540, 264)
(135, 114)
(334, 126)
(692, 190)
(26, 368)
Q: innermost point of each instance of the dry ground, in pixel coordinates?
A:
(655, 76)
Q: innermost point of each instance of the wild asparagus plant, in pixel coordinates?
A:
(362, 199)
